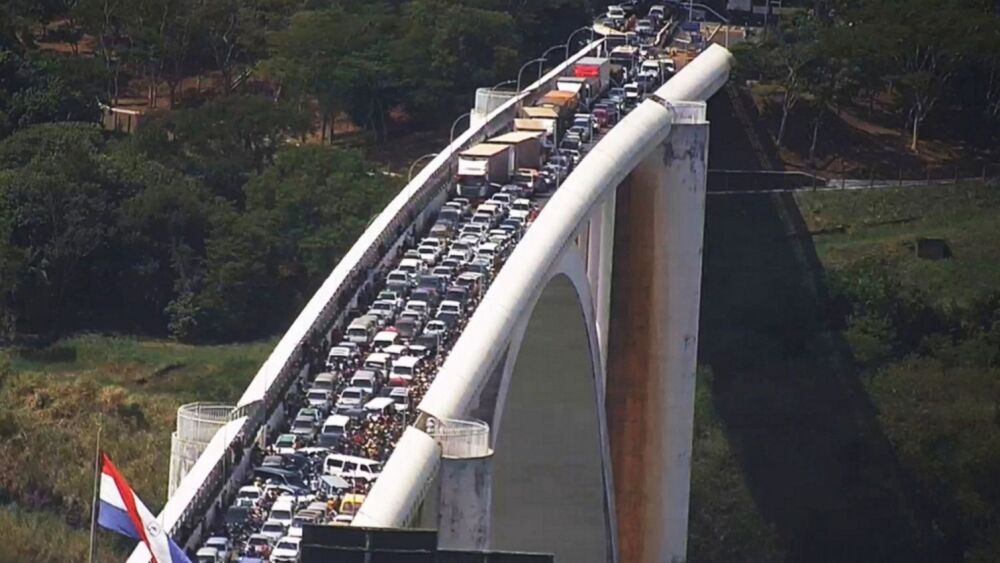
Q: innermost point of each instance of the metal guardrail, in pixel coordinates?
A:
(461, 438)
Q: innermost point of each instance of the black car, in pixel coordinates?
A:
(458, 293)
(280, 476)
(432, 281)
(450, 319)
(330, 440)
(407, 329)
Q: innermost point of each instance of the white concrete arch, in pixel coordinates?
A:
(552, 483)
(571, 266)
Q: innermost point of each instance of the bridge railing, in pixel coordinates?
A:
(326, 312)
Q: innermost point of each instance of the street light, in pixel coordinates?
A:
(531, 62)
(499, 84)
(409, 175)
(451, 137)
(545, 56)
(569, 42)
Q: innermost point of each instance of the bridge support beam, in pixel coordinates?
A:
(466, 502)
(653, 350)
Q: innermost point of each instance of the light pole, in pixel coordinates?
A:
(569, 42)
(526, 65)
(545, 56)
(409, 175)
(451, 137)
(499, 84)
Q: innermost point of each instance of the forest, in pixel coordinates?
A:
(232, 188)
(915, 66)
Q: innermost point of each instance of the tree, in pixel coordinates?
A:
(55, 213)
(222, 142)
(449, 48)
(831, 80)
(37, 90)
(301, 216)
(925, 42)
(232, 33)
(783, 61)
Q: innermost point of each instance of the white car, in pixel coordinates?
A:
(221, 545)
(274, 530)
(429, 254)
(520, 208)
(286, 550)
(248, 496)
(282, 512)
(351, 397)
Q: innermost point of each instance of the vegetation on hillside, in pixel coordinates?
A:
(853, 388)
(51, 403)
(922, 64)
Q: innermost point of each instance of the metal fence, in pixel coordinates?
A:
(461, 438)
(197, 423)
(750, 181)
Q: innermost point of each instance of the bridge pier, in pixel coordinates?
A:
(653, 349)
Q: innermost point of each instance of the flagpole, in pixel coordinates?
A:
(94, 507)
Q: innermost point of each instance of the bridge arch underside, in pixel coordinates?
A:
(551, 468)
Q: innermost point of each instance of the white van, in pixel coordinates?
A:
(384, 339)
(349, 466)
(395, 351)
(282, 511)
(362, 329)
(381, 405)
(379, 361)
(401, 398)
(404, 369)
(365, 379)
(412, 267)
(326, 381)
(336, 424)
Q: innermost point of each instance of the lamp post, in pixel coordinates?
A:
(409, 175)
(545, 56)
(451, 137)
(499, 84)
(526, 65)
(569, 42)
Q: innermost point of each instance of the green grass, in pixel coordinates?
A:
(883, 225)
(51, 402)
(725, 525)
(849, 393)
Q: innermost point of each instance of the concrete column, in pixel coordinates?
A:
(465, 497)
(653, 351)
(602, 290)
(465, 502)
(594, 248)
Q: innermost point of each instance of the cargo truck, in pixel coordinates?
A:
(548, 127)
(625, 57)
(597, 70)
(482, 168)
(563, 102)
(527, 147)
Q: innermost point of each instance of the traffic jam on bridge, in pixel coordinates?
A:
(343, 423)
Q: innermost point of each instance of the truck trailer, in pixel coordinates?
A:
(482, 168)
(597, 70)
(527, 147)
(548, 127)
(564, 103)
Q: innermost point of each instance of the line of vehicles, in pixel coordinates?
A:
(343, 423)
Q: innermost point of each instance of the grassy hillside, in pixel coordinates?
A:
(51, 402)
(851, 410)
